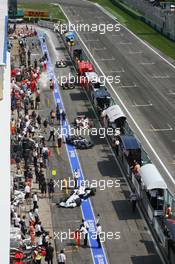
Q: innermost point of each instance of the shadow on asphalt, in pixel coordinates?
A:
(78, 97)
(108, 168)
(145, 259)
(123, 209)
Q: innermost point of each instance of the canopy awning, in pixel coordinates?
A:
(91, 76)
(130, 142)
(151, 177)
(113, 112)
(101, 93)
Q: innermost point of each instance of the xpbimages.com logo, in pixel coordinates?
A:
(103, 80)
(102, 132)
(81, 27)
(71, 235)
(100, 184)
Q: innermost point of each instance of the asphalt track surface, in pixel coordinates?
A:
(147, 87)
(135, 245)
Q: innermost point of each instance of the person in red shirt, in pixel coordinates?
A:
(19, 258)
(168, 211)
(33, 86)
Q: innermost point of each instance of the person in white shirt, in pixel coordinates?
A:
(62, 257)
(98, 233)
(85, 223)
(35, 200)
(17, 221)
(38, 229)
(84, 231)
(36, 212)
(27, 191)
(31, 216)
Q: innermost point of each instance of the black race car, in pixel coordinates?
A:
(79, 142)
(61, 64)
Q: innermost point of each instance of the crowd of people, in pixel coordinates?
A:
(29, 151)
(30, 154)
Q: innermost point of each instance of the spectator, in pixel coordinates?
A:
(38, 256)
(63, 117)
(31, 217)
(23, 226)
(38, 229)
(134, 199)
(45, 153)
(35, 200)
(84, 231)
(49, 254)
(98, 233)
(35, 64)
(36, 214)
(17, 221)
(45, 124)
(43, 188)
(52, 116)
(27, 192)
(51, 188)
(61, 257)
(52, 133)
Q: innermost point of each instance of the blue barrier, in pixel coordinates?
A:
(5, 40)
(98, 254)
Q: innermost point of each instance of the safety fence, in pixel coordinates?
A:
(158, 18)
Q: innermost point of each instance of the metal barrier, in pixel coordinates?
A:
(156, 17)
(46, 24)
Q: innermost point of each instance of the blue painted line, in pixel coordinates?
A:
(98, 254)
(5, 40)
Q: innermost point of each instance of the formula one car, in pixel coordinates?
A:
(76, 197)
(79, 142)
(60, 64)
(68, 86)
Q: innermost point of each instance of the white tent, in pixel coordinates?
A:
(92, 76)
(113, 112)
(151, 177)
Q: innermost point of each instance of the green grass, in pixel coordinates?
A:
(54, 11)
(141, 29)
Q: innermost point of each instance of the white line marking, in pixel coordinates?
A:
(110, 59)
(142, 105)
(135, 52)
(92, 40)
(121, 102)
(147, 63)
(161, 129)
(160, 76)
(127, 86)
(125, 43)
(122, 70)
(171, 92)
(117, 35)
(104, 48)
